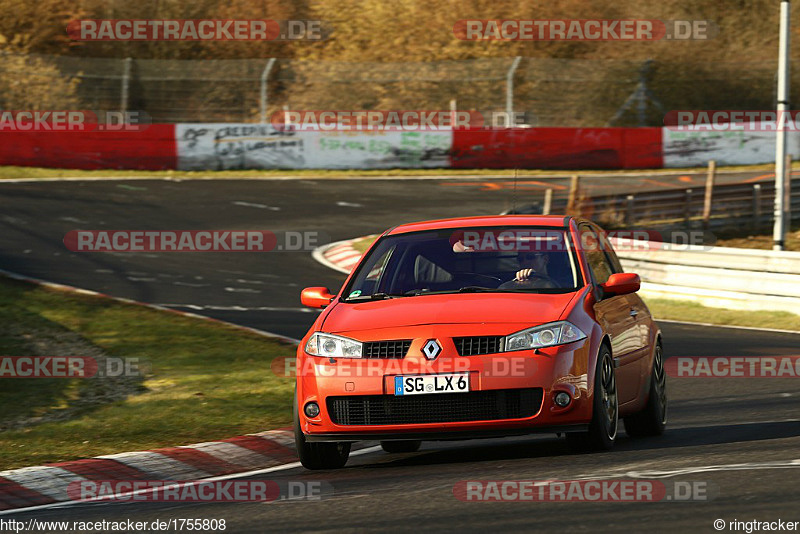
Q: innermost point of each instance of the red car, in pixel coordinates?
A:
(479, 327)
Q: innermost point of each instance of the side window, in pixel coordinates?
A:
(612, 256)
(598, 261)
(379, 266)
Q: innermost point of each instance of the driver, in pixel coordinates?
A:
(532, 272)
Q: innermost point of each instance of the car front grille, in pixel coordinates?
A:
(393, 349)
(475, 346)
(489, 405)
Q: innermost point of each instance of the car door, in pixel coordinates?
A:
(615, 316)
(637, 308)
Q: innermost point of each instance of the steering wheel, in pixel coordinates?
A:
(532, 278)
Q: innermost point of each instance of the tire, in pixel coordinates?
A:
(323, 455)
(605, 409)
(411, 445)
(652, 420)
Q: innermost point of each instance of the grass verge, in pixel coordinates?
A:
(12, 172)
(761, 240)
(202, 380)
(363, 243)
(681, 310)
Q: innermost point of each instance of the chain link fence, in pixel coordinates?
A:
(546, 92)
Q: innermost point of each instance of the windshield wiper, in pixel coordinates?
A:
(465, 289)
(378, 296)
(476, 289)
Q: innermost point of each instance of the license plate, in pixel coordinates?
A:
(428, 384)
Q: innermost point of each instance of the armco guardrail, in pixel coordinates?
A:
(743, 279)
(748, 205)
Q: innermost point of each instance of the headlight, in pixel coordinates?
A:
(546, 335)
(330, 346)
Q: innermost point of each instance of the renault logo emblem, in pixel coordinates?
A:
(431, 349)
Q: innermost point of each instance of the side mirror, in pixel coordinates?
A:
(621, 284)
(316, 297)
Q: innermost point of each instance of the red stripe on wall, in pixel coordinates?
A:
(151, 149)
(557, 148)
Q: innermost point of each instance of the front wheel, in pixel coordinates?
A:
(323, 455)
(605, 409)
(653, 419)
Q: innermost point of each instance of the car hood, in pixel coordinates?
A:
(482, 308)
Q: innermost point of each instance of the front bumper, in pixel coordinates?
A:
(444, 435)
(563, 368)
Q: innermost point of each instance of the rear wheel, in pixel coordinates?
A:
(411, 445)
(325, 455)
(605, 409)
(653, 419)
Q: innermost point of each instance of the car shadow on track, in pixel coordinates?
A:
(555, 447)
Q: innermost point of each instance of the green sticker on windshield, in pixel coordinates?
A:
(355, 294)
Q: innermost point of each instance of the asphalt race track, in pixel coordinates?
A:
(261, 290)
(739, 437)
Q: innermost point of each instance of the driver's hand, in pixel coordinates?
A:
(523, 274)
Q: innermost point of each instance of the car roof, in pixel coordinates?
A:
(555, 221)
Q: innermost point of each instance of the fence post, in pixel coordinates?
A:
(548, 201)
(264, 77)
(572, 200)
(687, 208)
(126, 84)
(629, 202)
(510, 91)
(712, 170)
(756, 207)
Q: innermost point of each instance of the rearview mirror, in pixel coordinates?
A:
(621, 284)
(316, 297)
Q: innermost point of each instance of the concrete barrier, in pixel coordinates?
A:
(741, 279)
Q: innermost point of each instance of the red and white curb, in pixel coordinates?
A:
(47, 484)
(339, 256)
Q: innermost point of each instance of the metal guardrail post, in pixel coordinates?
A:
(712, 170)
(756, 206)
(264, 77)
(572, 200)
(629, 203)
(787, 191)
(548, 202)
(510, 92)
(126, 84)
(687, 209)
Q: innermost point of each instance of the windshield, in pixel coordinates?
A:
(509, 259)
